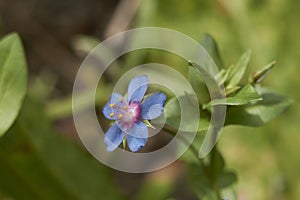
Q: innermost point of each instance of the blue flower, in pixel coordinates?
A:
(130, 115)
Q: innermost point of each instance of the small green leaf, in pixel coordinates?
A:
(13, 80)
(211, 47)
(199, 86)
(260, 75)
(246, 95)
(261, 112)
(238, 71)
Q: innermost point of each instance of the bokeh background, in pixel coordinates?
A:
(57, 34)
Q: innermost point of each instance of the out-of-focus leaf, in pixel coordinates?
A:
(260, 75)
(211, 47)
(246, 95)
(216, 165)
(238, 71)
(199, 86)
(37, 163)
(173, 112)
(226, 179)
(13, 80)
(259, 113)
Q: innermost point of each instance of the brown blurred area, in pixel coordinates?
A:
(47, 27)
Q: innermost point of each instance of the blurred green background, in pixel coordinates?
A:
(266, 158)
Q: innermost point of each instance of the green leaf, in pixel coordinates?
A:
(199, 86)
(226, 179)
(238, 71)
(13, 80)
(246, 95)
(210, 45)
(38, 163)
(260, 75)
(173, 112)
(259, 113)
(216, 165)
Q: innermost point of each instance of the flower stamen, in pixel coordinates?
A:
(111, 114)
(111, 105)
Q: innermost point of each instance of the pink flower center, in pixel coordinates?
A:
(126, 114)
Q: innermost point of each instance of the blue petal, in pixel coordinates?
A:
(113, 137)
(114, 99)
(138, 130)
(137, 88)
(135, 144)
(153, 106)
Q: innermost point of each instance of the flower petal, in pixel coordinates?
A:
(137, 88)
(113, 137)
(153, 106)
(138, 130)
(135, 144)
(114, 99)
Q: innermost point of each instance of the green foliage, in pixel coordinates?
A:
(13, 80)
(246, 95)
(38, 163)
(210, 45)
(247, 104)
(210, 177)
(237, 72)
(260, 113)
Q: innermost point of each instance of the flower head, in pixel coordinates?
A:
(130, 113)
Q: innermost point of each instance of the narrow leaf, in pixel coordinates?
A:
(239, 70)
(260, 75)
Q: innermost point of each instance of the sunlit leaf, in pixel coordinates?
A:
(13, 80)
(246, 95)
